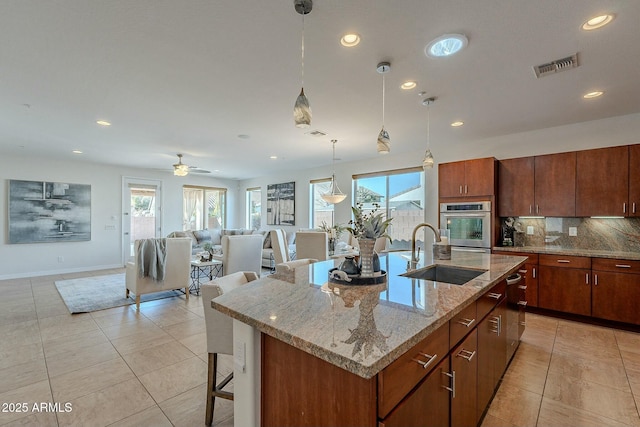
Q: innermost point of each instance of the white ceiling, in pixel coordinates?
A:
(189, 76)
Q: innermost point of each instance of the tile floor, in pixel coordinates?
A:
(119, 367)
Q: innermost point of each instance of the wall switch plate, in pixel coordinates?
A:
(573, 231)
(530, 230)
(109, 227)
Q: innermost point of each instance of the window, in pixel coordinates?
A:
(400, 195)
(254, 208)
(320, 210)
(203, 207)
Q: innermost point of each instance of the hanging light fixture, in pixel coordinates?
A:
(180, 169)
(384, 143)
(301, 109)
(334, 195)
(428, 161)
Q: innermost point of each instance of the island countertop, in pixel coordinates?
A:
(361, 329)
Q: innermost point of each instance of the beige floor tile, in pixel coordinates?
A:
(29, 394)
(22, 374)
(125, 329)
(524, 375)
(90, 379)
(9, 318)
(186, 329)
(491, 421)
(50, 310)
(579, 333)
(73, 360)
(141, 341)
(64, 325)
(20, 333)
(532, 353)
(39, 419)
(610, 373)
(188, 409)
(16, 355)
(554, 414)
(631, 360)
(610, 403)
(540, 339)
(628, 341)
(586, 350)
(172, 380)
(156, 357)
(108, 405)
(173, 317)
(150, 417)
(515, 406)
(74, 342)
(196, 343)
(117, 316)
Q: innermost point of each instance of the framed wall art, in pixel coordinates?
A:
(49, 212)
(281, 204)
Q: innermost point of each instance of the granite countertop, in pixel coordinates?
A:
(361, 329)
(557, 250)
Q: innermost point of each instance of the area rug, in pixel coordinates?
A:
(95, 293)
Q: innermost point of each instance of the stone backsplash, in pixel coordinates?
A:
(610, 234)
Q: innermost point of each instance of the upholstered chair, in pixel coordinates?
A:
(279, 245)
(219, 329)
(312, 244)
(242, 253)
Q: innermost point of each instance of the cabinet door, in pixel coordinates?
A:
(555, 185)
(451, 179)
(427, 405)
(492, 355)
(531, 277)
(602, 181)
(516, 187)
(634, 180)
(464, 362)
(480, 177)
(565, 289)
(615, 296)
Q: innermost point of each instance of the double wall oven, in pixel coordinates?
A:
(469, 225)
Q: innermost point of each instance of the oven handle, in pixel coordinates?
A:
(465, 215)
(475, 250)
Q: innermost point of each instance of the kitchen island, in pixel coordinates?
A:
(314, 353)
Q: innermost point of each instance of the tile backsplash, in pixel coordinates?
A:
(574, 233)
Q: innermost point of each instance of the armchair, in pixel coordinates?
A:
(312, 244)
(242, 253)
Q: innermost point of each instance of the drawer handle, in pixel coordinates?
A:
(428, 362)
(522, 271)
(494, 295)
(564, 261)
(523, 323)
(452, 389)
(523, 287)
(623, 266)
(466, 354)
(522, 303)
(466, 322)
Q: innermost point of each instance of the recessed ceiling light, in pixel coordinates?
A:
(103, 123)
(457, 124)
(408, 85)
(273, 157)
(597, 22)
(77, 152)
(350, 40)
(446, 45)
(594, 94)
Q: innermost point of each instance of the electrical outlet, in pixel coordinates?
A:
(109, 227)
(530, 230)
(60, 258)
(573, 231)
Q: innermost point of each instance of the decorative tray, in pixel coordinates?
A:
(341, 278)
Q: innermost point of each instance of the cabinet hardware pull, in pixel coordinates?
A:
(522, 303)
(466, 189)
(494, 295)
(523, 323)
(523, 287)
(466, 322)
(634, 207)
(623, 266)
(537, 209)
(586, 278)
(460, 189)
(466, 354)
(624, 207)
(494, 320)
(530, 209)
(452, 389)
(534, 272)
(564, 261)
(522, 271)
(428, 362)
(595, 279)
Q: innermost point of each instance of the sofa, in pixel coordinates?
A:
(214, 237)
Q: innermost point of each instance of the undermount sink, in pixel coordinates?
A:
(445, 273)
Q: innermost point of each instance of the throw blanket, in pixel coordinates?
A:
(152, 258)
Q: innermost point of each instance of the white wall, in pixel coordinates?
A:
(105, 248)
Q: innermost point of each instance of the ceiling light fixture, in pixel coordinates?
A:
(350, 40)
(597, 22)
(410, 84)
(334, 195)
(180, 169)
(77, 152)
(446, 45)
(594, 94)
(428, 161)
(457, 124)
(103, 123)
(384, 143)
(301, 109)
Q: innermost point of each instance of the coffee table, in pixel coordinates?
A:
(199, 269)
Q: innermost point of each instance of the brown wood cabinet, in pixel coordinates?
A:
(530, 272)
(555, 185)
(492, 355)
(616, 290)
(634, 181)
(565, 284)
(602, 182)
(467, 178)
(516, 187)
(464, 362)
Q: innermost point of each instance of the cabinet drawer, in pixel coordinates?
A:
(490, 299)
(396, 380)
(463, 323)
(616, 265)
(565, 261)
(531, 258)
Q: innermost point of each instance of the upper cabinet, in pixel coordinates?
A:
(634, 181)
(467, 178)
(602, 185)
(516, 190)
(555, 185)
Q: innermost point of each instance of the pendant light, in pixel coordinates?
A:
(428, 161)
(384, 143)
(334, 195)
(301, 109)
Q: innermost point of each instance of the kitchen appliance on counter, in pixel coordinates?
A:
(469, 225)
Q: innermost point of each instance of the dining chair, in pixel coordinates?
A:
(242, 253)
(312, 244)
(219, 330)
(279, 245)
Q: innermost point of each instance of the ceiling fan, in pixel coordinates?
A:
(180, 169)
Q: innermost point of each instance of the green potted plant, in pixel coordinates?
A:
(367, 227)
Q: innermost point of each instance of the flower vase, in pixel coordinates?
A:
(332, 246)
(366, 256)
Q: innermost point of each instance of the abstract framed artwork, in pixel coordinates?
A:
(281, 204)
(42, 211)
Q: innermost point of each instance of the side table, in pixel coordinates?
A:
(208, 269)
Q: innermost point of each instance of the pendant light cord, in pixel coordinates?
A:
(302, 50)
(428, 125)
(383, 101)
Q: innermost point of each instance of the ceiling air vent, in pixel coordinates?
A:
(316, 133)
(556, 66)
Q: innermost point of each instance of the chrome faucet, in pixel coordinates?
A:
(415, 258)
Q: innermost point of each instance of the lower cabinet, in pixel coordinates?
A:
(464, 381)
(565, 284)
(492, 354)
(616, 290)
